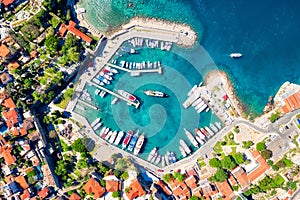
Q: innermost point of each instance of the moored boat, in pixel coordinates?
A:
(173, 157)
(201, 142)
(127, 139)
(152, 153)
(205, 132)
(133, 141)
(157, 160)
(209, 131)
(191, 138)
(202, 108)
(105, 133)
(213, 127)
(139, 144)
(200, 134)
(108, 135)
(154, 157)
(97, 126)
(95, 122)
(128, 50)
(127, 95)
(218, 124)
(236, 55)
(113, 137)
(185, 146)
(182, 151)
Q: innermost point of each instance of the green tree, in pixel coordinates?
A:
(261, 146)
(124, 176)
(266, 154)
(78, 145)
(116, 194)
(215, 162)
(194, 198)
(274, 116)
(51, 44)
(228, 163)
(220, 175)
(167, 177)
(238, 158)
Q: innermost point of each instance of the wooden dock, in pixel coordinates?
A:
(137, 72)
(135, 104)
(87, 104)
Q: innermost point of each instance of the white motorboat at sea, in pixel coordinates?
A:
(202, 108)
(195, 103)
(200, 134)
(108, 135)
(113, 137)
(236, 55)
(114, 101)
(167, 159)
(218, 124)
(201, 142)
(95, 122)
(199, 105)
(155, 93)
(139, 144)
(182, 151)
(97, 126)
(209, 131)
(213, 127)
(191, 138)
(157, 160)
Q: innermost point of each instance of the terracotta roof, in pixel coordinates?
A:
(74, 196)
(25, 195)
(225, 189)
(92, 186)
(34, 136)
(43, 193)
(4, 51)
(5, 78)
(3, 95)
(164, 187)
(113, 186)
(9, 103)
(62, 30)
(232, 180)
(22, 181)
(191, 182)
(9, 179)
(261, 169)
(2, 144)
(33, 54)
(13, 65)
(136, 190)
(241, 176)
(8, 157)
(292, 102)
(197, 192)
(11, 117)
(209, 190)
(75, 31)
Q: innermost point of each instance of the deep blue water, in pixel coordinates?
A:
(266, 32)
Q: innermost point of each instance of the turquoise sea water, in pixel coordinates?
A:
(266, 32)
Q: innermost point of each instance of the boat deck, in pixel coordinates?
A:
(135, 104)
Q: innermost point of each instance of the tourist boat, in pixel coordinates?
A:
(105, 71)
(133, 141)
(205, 132)
(202, 108)
(106, 76)
(182, 151)
(155, 93)
(127, 139)
(95, 122)
(173, 157)
(209, 131)
(108, 135)
(97, 126)
(185, 146)
(114, 101)
(191, 138)
(128, 50)
(167, 159)
(213, 127)
(218, 124)
(113, 137)
(157, 160)
(139, 144)
(119, 137)
(200, 134)
(152, 153)
(236, 55)
(111, 69)
(127, 95)
(201, 142)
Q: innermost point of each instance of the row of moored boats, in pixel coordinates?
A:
(151, 43)
(167, 159)
(105, 76)
(138, 65)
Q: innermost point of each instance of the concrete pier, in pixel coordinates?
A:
(89, 105)
(137, 72)
(136, 104)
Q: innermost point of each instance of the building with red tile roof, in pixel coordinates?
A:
(208, 190)
(8, 157)
(11, 117)
(25, 195)
(232, 180)
(2, 144)
(226, 190)
(43, 193)
(93, 187)
(7, 2)
(191, 182)
(3, 95)
(136, 190)
(5, 78)
(291, 102)
(164, 187)
(242, 178)
(78, 33)
(13, 65)
(261, 169)
(74, 196)
(9, 103)
(4, 51)
(62, 30)
(113, 185)
(22, 182)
